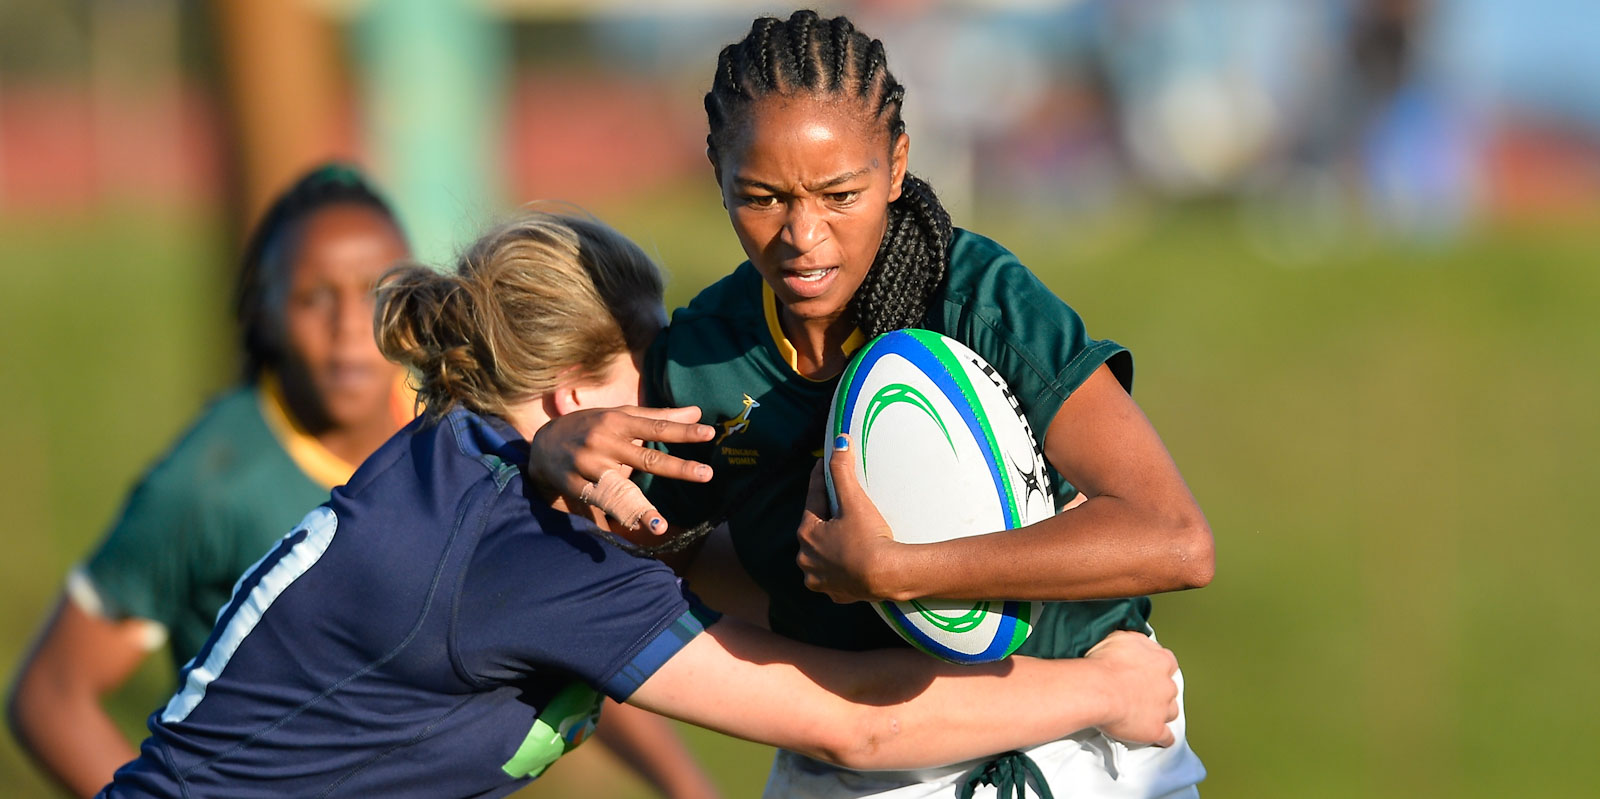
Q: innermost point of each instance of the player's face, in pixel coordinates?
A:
(807, 182)
(343, 249)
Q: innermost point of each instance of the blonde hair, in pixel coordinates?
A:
(528, 304)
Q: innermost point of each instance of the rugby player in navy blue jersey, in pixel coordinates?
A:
(440, 629)
(318, 398)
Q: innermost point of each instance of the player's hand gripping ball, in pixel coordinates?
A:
(943, 450)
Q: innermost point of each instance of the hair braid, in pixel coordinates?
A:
(769, 58)
(801, 47)
(892, 98)
(841, 31)
(791, 57)
(911, 262)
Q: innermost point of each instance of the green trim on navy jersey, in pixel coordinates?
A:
(721, 348)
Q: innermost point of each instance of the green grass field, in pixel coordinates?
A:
(1393, 447)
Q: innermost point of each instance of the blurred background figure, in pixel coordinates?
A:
(1355, 237)
(316, 398)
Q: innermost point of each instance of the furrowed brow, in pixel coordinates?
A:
(834, 181)
(756, 184)
(816, 188)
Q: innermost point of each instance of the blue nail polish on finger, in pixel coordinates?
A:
(655, 525)
(841, 442)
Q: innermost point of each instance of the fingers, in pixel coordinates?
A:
(812, 520)
(1149, 672)
(610, 439)
(1167, 737)
(817, 493)
(842, 475)
(665, 425)
(588, 455)
(1169, 690)
(656, 462)
(687, 414)
(622, 500)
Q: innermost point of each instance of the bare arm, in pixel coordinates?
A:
(650, 746)
(902, 709)
(54, 708)
(1140, 530)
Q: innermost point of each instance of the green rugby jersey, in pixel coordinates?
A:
(239, 479)
(726, 354)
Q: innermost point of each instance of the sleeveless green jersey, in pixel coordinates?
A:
(726, 354)
(239, 479)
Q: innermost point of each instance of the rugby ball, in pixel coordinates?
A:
(943, 449)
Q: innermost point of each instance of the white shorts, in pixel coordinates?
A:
(1087, 764)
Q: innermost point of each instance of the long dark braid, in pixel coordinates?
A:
(808, 54)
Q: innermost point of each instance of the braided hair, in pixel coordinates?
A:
(265, 270)
(807, 54)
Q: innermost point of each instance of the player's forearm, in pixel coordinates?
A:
(873, 710)
(69, 735)
(965, 712)
(1106, 547)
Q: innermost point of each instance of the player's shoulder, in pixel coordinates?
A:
(206, 491)
(975, 250)
(982, 268)
(444, 454)
(229, 415)
(228, 437)
(435, 486)
(519, 525)
(987, 284)
(490, 443)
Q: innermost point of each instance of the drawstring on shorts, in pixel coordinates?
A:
(1008, 773)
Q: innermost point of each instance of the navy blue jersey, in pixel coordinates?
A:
(435, 630)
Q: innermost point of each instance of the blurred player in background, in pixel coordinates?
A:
(809, 149)
(317, 397)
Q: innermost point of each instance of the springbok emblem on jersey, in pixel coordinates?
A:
(740, 423)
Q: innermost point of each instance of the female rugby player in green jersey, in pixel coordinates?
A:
(317, 398)
(808, 147)
(438, 628)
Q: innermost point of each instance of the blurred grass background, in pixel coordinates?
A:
(1353, 245)
(1394, 448)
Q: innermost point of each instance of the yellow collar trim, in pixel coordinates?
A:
(769, 305)
(319, 464)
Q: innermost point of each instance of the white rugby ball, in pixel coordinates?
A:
(943, 449)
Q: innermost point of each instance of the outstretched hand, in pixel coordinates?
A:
(586, 456)
(848, 555)
(1149, 695)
